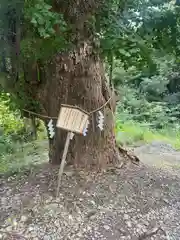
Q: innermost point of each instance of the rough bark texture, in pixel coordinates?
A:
(77, 78)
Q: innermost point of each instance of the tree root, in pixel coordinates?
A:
(129, 155)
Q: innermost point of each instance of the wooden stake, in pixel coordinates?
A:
(68, 138)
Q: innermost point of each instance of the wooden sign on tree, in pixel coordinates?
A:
(74, 120)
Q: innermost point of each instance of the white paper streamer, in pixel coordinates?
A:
(100, 120)
(86, 129)
(72, 136)
(51, 129)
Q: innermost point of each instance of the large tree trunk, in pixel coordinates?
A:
(78, 78)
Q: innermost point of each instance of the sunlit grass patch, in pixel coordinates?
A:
(130, 133)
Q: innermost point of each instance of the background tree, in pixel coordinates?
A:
(153, 95)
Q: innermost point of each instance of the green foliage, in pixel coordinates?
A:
(147, 111)
(137, 106)
(44, 20)
(42, 49)
(10, 122)
(14, 153)
(6, 145)
(45, 32)
(23, 158)
(11, 126)
(119, 39)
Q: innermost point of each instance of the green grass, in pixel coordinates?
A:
(23, 158)
(133, 133)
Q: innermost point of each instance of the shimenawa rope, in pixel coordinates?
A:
(91, 112)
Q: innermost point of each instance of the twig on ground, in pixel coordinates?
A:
(149, 233)
(165, 234)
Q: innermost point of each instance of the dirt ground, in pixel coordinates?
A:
(135, 202)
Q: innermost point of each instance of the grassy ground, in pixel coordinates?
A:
(133, 133)
(23, 157)
(16, 157)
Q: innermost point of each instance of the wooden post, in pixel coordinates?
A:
(74, 120)
(68, 138)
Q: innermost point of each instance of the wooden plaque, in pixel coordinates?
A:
(72, 119)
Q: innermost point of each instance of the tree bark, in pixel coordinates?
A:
(77, 78)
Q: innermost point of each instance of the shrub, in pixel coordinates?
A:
(6, 145)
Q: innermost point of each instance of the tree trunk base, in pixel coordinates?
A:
(78, 79)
